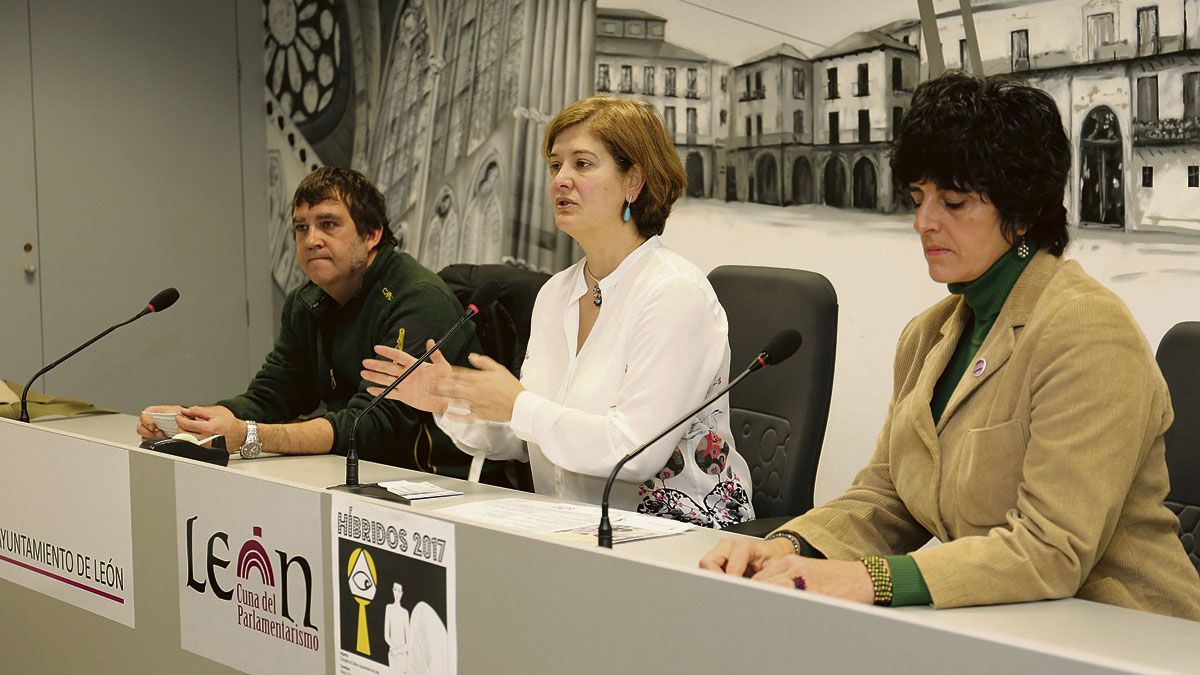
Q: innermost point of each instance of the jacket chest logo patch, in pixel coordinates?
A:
(386, 294)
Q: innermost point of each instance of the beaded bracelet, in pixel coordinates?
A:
(797, 543)
(881, 579)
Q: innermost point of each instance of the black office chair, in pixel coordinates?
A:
(503, 331)
(1179, 359)
(778, 415)
(503, 328)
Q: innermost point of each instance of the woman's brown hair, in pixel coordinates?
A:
(634, 135)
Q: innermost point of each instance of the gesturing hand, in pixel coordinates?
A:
(418, 390)
(489, 391)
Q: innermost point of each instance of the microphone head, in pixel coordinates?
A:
(164, 299)
(781, 347)
(485, 295)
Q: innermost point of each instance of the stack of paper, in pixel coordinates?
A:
(413, 491)
(571, 522)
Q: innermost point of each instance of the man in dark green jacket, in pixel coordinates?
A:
(360, 292)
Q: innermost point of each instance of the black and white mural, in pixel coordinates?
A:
(443, 102)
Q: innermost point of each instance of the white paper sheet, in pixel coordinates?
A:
(417, 490)
(571, 522)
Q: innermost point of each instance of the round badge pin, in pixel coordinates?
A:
(980, 366)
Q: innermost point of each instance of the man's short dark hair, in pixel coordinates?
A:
(364, 201)
(996, 136)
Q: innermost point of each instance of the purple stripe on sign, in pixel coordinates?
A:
(65, 580)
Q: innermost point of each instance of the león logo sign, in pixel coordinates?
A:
(262, 603)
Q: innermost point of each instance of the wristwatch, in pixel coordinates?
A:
(252, 447)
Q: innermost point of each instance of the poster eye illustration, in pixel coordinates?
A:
(361, 581)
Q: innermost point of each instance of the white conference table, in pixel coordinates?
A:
(531, 604)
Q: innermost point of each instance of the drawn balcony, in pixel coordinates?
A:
(754, 95)
(766, 140)
(693, 138)
(1167, 131)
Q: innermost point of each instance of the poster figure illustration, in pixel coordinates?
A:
(395, 591)
(395, 632)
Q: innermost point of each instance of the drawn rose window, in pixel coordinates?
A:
(303, 56)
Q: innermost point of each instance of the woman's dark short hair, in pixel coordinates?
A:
(633, 134)
(996, 136)
(364, 201)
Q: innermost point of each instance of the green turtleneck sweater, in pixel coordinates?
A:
(985, 297)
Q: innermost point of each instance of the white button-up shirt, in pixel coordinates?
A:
(659, 348)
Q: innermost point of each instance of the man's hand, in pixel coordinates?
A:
(146, 427)
(204, 421)
(742, 556)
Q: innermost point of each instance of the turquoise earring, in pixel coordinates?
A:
(626, 215)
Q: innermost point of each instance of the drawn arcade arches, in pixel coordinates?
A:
(865, 184)
(1101, 170)
(695, 175)
(834, 183)
(766, 176)
(802, 181)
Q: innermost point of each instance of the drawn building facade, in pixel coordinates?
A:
(864, 84)
(634, 60)
(816, 130)
(1126, 77)
(771, 128)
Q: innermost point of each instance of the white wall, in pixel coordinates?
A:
(875, 263)
(147, 170)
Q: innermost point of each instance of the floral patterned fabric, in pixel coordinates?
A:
(726, 504)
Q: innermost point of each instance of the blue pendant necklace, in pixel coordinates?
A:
(597, 299)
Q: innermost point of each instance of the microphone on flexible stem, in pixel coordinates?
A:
(483, 296)
(783, 345)
(158, 303)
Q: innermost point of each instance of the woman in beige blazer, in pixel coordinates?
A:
(1025, 429)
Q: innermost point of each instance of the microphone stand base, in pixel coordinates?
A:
(346, 487)
(604, 532)
(371, 490)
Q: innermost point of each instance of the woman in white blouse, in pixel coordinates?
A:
(622, 343)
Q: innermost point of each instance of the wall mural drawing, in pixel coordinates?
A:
(443, 103)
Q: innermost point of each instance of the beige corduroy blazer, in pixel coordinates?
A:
(1045, 476)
